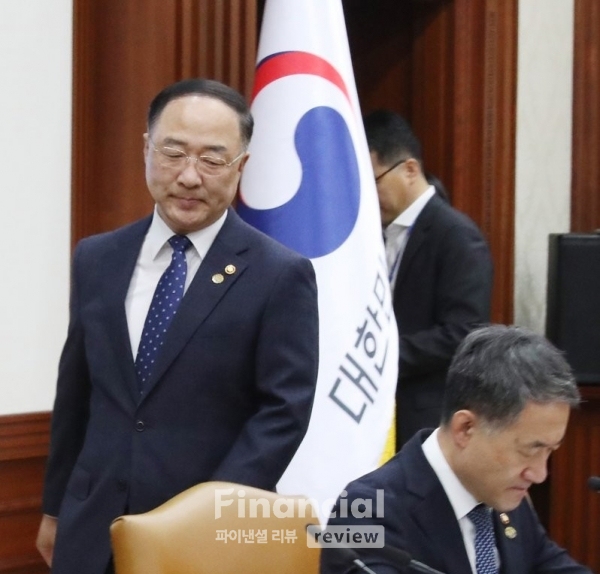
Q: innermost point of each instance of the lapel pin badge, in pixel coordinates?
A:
(218, 278)
(510, 532)
(230, 269)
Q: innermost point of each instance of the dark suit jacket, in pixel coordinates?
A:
(443, 291)
(419, 519)
(230, 397)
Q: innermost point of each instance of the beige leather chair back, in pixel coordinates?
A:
(186, 535)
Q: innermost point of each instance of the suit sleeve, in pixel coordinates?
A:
(463, 286)
(285, 373)
(334, 562)
(71, 405)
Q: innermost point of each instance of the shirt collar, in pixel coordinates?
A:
(410, 214)
(159, 234)
(460, 498)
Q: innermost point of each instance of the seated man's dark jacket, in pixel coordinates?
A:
(419, 519)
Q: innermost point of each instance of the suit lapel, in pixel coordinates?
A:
(204, 292)
(509, 549)
(417, 235)
(438, 522)
(123, 256)
(434, 514)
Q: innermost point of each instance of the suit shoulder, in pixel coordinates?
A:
(450, 228)
(99, 240)
(389, 477)
(447, 216)
(406, 470)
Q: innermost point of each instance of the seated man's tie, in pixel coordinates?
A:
(485, 540)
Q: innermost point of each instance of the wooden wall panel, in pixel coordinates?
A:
(574, 509)
(485, 136)
(450, 68)
(433, 88)
(380, 38)
(23, 450)
(218, 40)
(585, 197)
(124, 53)
(464, 78)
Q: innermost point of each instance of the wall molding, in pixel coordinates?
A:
(24, 436)
(24, 441)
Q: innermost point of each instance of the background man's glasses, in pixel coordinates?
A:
(390, 169)
(176, 159)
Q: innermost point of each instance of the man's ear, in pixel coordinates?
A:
(146, 144)
(462, 426)
(242, 162)
(412, 168)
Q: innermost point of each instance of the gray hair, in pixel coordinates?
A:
(498, 369)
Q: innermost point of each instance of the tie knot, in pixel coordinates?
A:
(179, 243)
(480, 516)
(392, 231)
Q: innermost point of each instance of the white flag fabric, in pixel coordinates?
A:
(309, 184)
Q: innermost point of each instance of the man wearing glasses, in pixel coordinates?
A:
(193, 340)
(440, 270)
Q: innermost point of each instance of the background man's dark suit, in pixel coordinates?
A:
(442, 292)
(229, 400)
(419, 519)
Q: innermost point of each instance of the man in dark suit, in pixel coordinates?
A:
(152, 400)
(440, 270)
(508, 399)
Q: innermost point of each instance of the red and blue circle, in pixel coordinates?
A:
(323, 211)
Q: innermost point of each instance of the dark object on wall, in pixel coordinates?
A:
(594, 483)
(573, 313)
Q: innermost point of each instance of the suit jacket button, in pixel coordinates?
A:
(139, 426)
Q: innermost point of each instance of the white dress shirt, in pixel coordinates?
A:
(153, 260)
(460, 498)
(397, 232)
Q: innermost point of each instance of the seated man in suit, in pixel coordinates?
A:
(192, 348)
(454, 498)
(440, 270)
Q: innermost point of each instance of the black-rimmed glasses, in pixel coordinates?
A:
(390, 169)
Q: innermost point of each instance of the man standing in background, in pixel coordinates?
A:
(192, 348)
(440, 270)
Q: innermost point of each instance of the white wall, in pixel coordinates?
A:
(35, 151)
(543, 161)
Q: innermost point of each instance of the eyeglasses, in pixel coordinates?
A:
(390, 169)
(177, 159)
